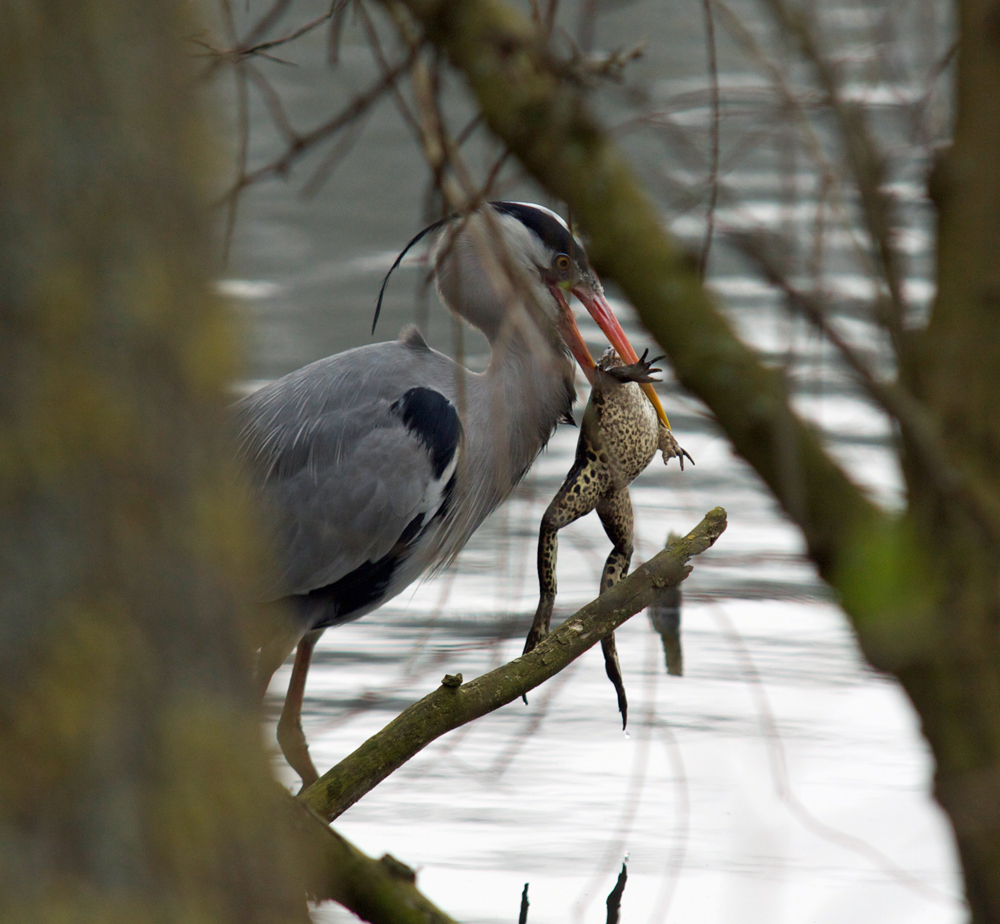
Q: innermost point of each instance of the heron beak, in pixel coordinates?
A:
(599, 309)
(571, 334)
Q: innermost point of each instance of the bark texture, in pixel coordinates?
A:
(133, 785)
(956, 373)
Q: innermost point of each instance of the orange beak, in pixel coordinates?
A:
(571, 334)
(599, 309)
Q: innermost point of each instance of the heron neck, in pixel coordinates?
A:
(516, 404)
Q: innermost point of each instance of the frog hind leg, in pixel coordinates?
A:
(615, 511)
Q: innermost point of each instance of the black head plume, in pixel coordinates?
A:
(399, 259)
(549, 229)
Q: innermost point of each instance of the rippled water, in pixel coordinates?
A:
(780, 779)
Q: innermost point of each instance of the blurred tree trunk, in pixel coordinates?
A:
(133, 785)
(922, 588)
(955, 684)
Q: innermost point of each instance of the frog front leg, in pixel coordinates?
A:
(579, 494)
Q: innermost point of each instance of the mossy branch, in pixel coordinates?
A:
(455, 703)
(543, 118)
(380, 891)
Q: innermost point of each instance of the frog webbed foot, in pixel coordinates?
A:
(671, 449)
(640, 371)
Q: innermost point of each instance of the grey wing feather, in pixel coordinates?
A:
(340, 475)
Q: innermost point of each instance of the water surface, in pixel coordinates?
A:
(780, 779)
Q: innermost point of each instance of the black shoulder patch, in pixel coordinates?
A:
(430, 416)
(552, 232)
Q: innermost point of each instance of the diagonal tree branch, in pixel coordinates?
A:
(546, 123)
(952, 480)
(455, 703)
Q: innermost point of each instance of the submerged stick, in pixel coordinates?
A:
(455, 703)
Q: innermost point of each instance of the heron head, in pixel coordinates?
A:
(520, 254)
(560, 261)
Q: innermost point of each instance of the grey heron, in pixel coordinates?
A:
(377, 464)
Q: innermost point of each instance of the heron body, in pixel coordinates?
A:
(619, 437)
(358, 459)
(377, 464)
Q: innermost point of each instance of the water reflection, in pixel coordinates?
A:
(614, 900)
(778, 779)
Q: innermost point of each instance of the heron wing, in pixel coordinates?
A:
(352, 457)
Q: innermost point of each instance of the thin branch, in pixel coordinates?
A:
(242, 130)
(864, 159)
(272, 102)
(292, 36)
(921, 433)
(238, 50)
(455, 703)
(921, 107)
(713, 171)
(335, 32)
(303, 143)
(266, 23)
(375, 44)
(343, 146)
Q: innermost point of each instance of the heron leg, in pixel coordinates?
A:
(291, 737)
(275, 651)
(615, 511)
(579, 494)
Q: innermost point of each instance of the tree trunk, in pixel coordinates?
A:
(957, 374)
(133, 785)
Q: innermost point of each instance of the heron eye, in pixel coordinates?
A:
(562, 263)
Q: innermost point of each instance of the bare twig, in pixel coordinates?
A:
(266, 23)
(375, 43)
(242, 130)
(335, 32)
(921, 107)
(359, 105)
(713, 171)
(588, 67)
(340, 150)
(921, 433)
(272, 101)
(864, 160)
(292, 36)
